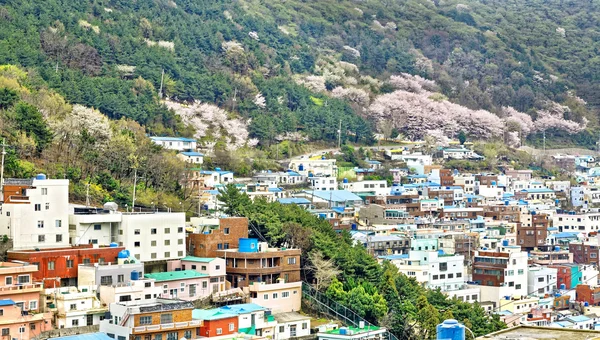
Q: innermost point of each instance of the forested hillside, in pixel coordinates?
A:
(294, 69)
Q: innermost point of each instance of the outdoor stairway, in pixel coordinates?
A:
(323, 304)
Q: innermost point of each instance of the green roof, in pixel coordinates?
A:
(198, 259)
(355, 330)
(177, 275)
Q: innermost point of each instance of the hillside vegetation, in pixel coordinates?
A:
(294, 69)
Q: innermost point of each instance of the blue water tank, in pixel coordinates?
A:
(493, 182)
(586, 304)
(248, 245)
(323, 157)
(354, 226)
(533, 213)
(135, 275)
(345, 180)
(217, 169)
(323, 216)
(113, 245)
(40, 177)
(440, 252)
(470, 200)
(343, 331)
(483, 248)
(507, 297)
(450, 330)
(128, 253)
(310, 174)
(123, 254)
(563, 286)
(506, 202)
(557, 201)
(301, 167)
(556, 248)
(505, 243)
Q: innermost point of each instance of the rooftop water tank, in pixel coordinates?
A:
(586, 304)
(113, 245)
(354, 226)
(556, 248)
(563, 286)
(248, 245)
(135, 275)
(123, 254)
(323, 157)
(301, 167)
(493, 182)
(533, 212)
(345, 180)
(343, 330)
(40, 177)
(217, 169)
(505, 243)
(450, 330)
(111, 206)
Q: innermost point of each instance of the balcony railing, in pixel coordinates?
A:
(167, 326)
(20, 287)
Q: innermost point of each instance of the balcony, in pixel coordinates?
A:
(167, 326)
(18, 199)
(20, 288)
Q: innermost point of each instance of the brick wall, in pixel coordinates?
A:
(206, 245)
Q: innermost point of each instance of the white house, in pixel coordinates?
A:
(74, 308)
(176, 143)
(322, 183)
(191, 157)
(379, 187)
(35, 213)
(317, 167)
(541, 280)
(291, 325)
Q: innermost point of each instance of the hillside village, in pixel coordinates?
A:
(522, 247)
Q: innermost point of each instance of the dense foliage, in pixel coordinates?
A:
(377, 292)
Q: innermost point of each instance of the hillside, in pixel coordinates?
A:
(293, 69)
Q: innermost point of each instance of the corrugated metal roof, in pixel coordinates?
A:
(176, 275)
(89, 336)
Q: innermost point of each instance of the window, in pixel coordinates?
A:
(231, 327)
(44, 191)
(274, 295)
(443, 277)
(180, 229)
(32, 326)
(8, 280)
(97, 227)
(22, 329)
(219, 331)
(518, 286)
(450, 276)
(435, 277)
(166, 318)
(148, 296)
(153, 231)
(158, 337)
(458, 275)
(94, 241)
(47, 206)
(304, 325)
(58, 223)
(187, 334)
(152, 255)
(225, 245)
(203, 267)
(167, 254)
(180, 241)
(226, 231)
(40, 224)
(137, 244)
(520, 272)
(22, 279)
(37, 207)
(32, 305)
(540, 279)
(266, 297)
(74, 322)
(86, 261)
(180, 253)
(153, 243)
(5, 331)
(120, 278)
(167, 230)
(443, 266)
(219, 246)
(136, 232)
(50, 265)
(59, 238)
(204, 284)
(72, 306)
(146, 320)
(167, 242)
(291, 260)
(106, 280)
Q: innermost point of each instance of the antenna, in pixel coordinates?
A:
(4, 145)
(134, 185)
(87, 195)
(340, 135)
(162, 78)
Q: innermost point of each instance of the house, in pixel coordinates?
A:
(192, 157)
(504, 267)
(291, 325)
(377, 187)
(216, 323)
(460, 153)
(93, 276)
(332, 198)
(367, 332)
(207, 235)
(18, 284)
(176, 143)
(279, 297)
(256, 262)
(316, 166)
(35, 212)
(373, 164)
(302, 202)
(252, 319)
(59, 266)
(73, 308)
(541, 280)
(213, 267)
(15, 324)
(322, 183)
(166, 319)
(187, 285)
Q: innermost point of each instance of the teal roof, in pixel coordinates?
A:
(198, 259)
(243, 308)
(89, 336)
(211, 314)
(176, 275)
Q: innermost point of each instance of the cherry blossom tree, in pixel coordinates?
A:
(410, 83)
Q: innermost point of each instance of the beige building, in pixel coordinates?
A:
(279, 297)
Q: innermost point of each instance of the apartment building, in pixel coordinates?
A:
(73, 308)
(280, 297)
(585, 252)
(256, 262)
(210, 235)
(378, 187)
(580, 223)
(15, 324)
(187, 285)
(505, 266)
(213, 268)
(541, 280)
(35, 212)
(533, 230)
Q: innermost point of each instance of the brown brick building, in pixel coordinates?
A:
(584, 253)
(587, 294)
(224, 236)
(532, 231)
(507, 213)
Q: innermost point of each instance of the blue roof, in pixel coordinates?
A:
(173, 139)
(192, 154)
(7, 302)
(211, 314)
(358, 170)
(210, 172)
(563, 324)
(293, 173)
(212, 192)
(373, 162)
(417, 176)
(335, 195)
(275, 190)
(88, 336)
(579, 318)
(565, 234)
(244, 308)
(293, 200)
(552, 229)
(394, 257)
(537, 191)
(338, 210)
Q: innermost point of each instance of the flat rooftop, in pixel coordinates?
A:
(542, 333)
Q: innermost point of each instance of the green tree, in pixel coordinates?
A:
(7, 97)
(233, 199)
(29, 119)
(462, 137)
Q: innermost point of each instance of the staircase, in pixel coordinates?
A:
(323, 304)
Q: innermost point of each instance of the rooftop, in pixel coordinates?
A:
(356, 330)
(542, 333)
(293, 200)
(176, 275)
(88, 336)
(173, 139)
(211, 314)
(192, 154)
(198, 259)
(243, 308)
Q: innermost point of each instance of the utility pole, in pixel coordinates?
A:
(234, 99)
(162, 78)
(340, 135)
(134, 185)
(2, 170)
(87, 195)
(544, 142)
